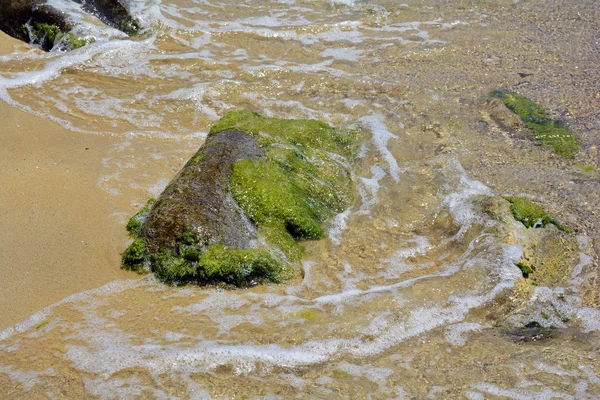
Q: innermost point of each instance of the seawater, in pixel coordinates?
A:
(394, 303)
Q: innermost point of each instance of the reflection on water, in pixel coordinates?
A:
(413, 293)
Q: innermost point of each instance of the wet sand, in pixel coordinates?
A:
(57, 234)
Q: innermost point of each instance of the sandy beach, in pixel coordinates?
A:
(466, 267)
(57, 234)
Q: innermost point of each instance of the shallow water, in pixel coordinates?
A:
(414, 294)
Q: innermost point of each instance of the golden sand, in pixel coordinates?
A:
(57, 235)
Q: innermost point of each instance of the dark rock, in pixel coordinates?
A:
(15, 14)
(198, 199)
(112, 13)
(48, 24)
(532, 332)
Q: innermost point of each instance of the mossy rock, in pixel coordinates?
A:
(550, 257)
(36, 22)
(549, 254)
(546, 130)
(241, 206)
(531, 215)
(53, 37)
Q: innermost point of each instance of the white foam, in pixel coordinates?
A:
(455, 334)
(591, 375)
(521, 394)
(338, 225)
(37, 318)
(460, 203)
(590, 319)
(377, 375)
(216, 300)
(157, 188)
(380, 137)
(551, 369)
(474, 395)
(576, 275)
(368, 188)
(397, 265)
(346, 2)
(26, 378)
(348, 53)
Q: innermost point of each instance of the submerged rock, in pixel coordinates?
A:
(36, 22)
(548, 255)
(530, 214)
(546, 130)
(238, 209)
(531, 332)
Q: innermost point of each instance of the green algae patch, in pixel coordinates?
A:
(131, 27)
(46, 33)
(546, 130)
(303, 181)
(530, 214)
(219, 264)
(49, 35)
(241, 267)
(525, 268)
(171, 267)
(308, 315)
(134, 258)
(272, 200)
(75, 41)
(309, 133)
(135, 223)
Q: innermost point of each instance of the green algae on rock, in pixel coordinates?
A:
(525, 269)
(303, 181)
(530, 214)
(52, 36)
(547, 131)
(548, 256)
(134, 226)
(135, 257)
(237, 211)
(49, 27)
